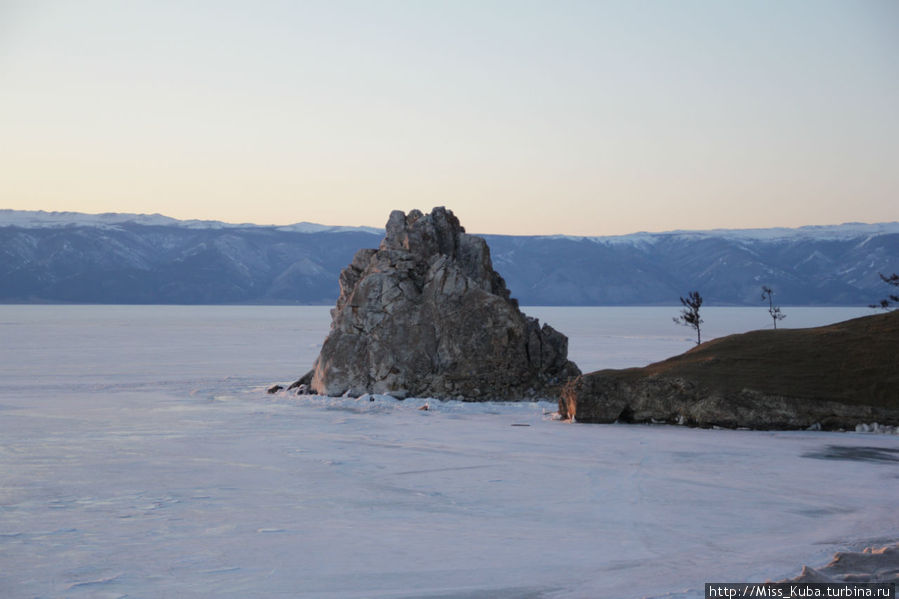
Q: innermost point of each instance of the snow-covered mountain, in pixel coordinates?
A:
(127, 258)
(808, 232)
(38, 219)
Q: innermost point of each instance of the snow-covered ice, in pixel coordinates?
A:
(140, 456)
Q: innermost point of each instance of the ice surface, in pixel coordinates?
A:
(141, 457)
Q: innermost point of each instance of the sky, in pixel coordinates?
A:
(523, 117)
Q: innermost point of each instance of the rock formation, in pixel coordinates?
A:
(426, 315)
(871, 565)
(830, 377)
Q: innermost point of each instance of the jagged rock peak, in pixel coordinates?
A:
(424, 235)
(425, 314)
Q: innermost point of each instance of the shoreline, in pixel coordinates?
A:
(871, 564)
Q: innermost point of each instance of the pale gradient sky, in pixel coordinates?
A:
(523, 117)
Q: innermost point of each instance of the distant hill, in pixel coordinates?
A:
(122, 258)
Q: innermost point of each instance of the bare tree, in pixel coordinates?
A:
(689, 316)
(774, 311)
(892, 298)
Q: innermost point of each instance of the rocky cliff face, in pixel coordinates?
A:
(836, 376)
(426, 315)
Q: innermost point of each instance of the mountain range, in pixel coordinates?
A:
(152, 259)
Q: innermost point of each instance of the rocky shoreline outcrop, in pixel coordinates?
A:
(831, 377)
(426, 315)
(874, 564)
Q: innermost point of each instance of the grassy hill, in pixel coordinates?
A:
(836, 375)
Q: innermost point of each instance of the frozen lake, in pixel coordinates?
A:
(141, 457)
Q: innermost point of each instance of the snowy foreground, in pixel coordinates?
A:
(141, 457)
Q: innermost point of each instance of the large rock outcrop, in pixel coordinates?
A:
(426, 315)
(871, 565)
(835, 376)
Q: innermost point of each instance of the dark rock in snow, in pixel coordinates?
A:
(303, 380)
(426, 315)
(871, 565)
(274, 389)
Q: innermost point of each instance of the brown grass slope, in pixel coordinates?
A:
(782, 378)
(855, 362)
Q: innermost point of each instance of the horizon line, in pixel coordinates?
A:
(373, 229)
